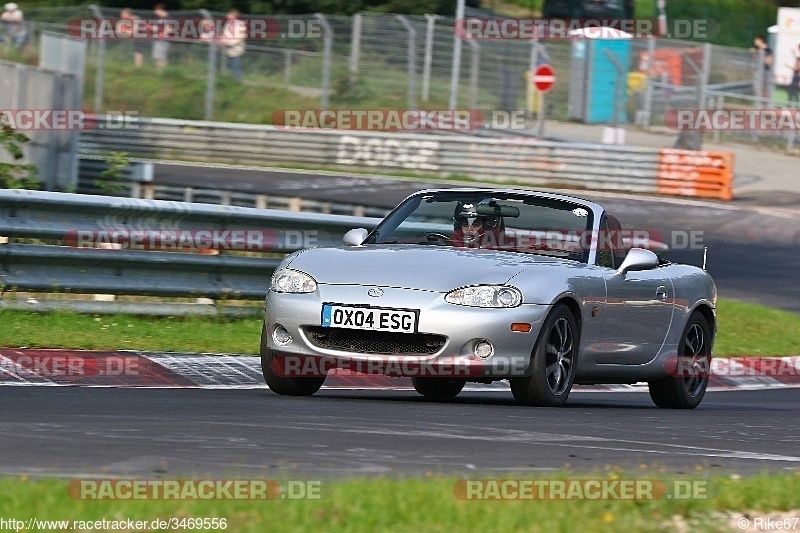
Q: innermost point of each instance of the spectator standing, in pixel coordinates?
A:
(160, 45)
(759, 45)
(794, 86)
(128, 20)
(233, 39)
(15, 29)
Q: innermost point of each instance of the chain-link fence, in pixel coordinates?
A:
(375, 60)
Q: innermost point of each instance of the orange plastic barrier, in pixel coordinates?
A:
(669, 64)
(700, 174)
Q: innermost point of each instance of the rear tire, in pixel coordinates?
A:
(552, 362)
(438, 388)
(687, 391)
(278, 384)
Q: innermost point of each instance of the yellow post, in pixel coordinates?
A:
(534, 97)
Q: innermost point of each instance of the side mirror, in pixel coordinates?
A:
(355, 237)
(638, 259)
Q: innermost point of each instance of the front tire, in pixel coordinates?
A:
(687, 391)
(438, 388)
(553, 362)
(289, 386)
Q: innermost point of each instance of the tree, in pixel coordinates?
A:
(16, 175)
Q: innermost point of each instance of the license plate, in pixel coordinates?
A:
(371, 318)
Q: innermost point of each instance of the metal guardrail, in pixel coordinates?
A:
(59, 217)
(525, 160)
(263, 201)
(521, 160)
(38, 268)
(136, 181)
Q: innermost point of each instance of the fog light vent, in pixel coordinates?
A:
(484, 349)
(281, 336)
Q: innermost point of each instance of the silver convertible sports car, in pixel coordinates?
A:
(479, 285)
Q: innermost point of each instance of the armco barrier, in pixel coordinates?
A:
(57, 217)
(521, 160)
(37, 268)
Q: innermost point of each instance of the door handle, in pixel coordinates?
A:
(661, 293)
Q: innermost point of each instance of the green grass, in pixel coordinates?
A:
(114, 332)
(744, 329)
(750, 329)
(421, 504)
(177, 92)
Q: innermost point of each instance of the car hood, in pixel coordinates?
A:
(424, 267)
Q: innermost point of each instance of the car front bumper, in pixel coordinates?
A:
(460, 327)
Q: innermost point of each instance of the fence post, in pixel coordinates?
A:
(720, 105)
(759, 78)
(100, 66)
(693, 140)
(426, 69)
(791, 135)
(52, 177)
(355, 48)
(705, 72)
(617, 96)
(411, 61)
(326, 60)
(211, 72)
(474, 73)
(530, 91)
(287, 67)
(648, 91)
(455, 70)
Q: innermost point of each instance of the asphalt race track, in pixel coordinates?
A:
(75, 431)
(752, 250)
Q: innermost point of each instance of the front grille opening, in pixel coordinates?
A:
(374, 342)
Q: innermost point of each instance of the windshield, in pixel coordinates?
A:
(508, 222)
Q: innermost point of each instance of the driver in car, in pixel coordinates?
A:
(474, 229)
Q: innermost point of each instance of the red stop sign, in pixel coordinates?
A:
(543, 78)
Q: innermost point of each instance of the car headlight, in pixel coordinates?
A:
(292, 281)
(485, 296)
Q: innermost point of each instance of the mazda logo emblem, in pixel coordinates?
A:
(375, 292)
